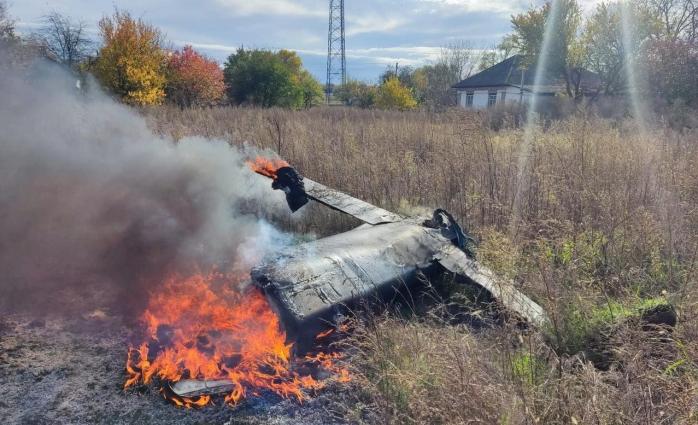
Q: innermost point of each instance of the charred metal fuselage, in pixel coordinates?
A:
(311, 283)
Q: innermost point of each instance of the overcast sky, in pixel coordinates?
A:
(379, 32)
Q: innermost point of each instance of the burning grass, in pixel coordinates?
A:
(210, 327)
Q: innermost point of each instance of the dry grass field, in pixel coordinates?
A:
(603, 233)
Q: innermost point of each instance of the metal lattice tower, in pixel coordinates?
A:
(336, 51)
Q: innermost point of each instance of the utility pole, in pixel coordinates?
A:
(336, 50)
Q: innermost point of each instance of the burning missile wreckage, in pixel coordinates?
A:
(266, 338)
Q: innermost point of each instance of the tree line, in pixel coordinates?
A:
(652, 42)
(408, 87)
(135, 62)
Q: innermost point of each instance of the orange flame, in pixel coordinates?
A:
(201, 327)
(267, 166)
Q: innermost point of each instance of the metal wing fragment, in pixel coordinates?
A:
(456, 261)
(339, 201)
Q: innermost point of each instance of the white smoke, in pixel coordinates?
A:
(85, 186)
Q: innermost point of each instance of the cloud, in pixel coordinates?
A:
(504, 7)
(381, 56)
(270, 7)
(409, 55)
(225, 48)
(493, 6)
(374, 24)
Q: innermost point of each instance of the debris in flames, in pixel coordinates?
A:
(202, 327)
(267, 166)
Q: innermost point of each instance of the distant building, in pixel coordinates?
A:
(508, 82)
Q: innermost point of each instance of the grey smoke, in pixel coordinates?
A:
(86, 189)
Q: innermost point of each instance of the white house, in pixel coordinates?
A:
(509, 82)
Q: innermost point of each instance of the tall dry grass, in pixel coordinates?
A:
(606, 229)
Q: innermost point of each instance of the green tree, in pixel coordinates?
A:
(674, 20)
(437, 81)
(608, 51)
(505, 49)
(394, 95)
(264, 78)
(566, 51)
(356, 93)
(311, 90)
(131, 62)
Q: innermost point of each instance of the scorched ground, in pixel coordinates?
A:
(69, 368)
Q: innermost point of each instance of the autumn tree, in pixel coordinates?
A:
(265, 78)
(131, 62)
(392, 94)
(673, 71)
(412, 78)
(671, 53)
(193, 79)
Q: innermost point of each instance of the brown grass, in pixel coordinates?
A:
(606, 220)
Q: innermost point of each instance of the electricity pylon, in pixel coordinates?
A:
(336, 50)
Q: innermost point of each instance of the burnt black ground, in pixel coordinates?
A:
(58, 369)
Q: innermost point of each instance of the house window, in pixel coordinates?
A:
(492, 98)
(503, 97)
(469, 98)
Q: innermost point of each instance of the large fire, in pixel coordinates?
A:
(204, 327)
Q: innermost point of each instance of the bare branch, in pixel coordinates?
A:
(7, 25)
(65, 39)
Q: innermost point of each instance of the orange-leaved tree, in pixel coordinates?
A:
(131, 62)
(193, 79)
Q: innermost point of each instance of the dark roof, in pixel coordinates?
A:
(508, 73)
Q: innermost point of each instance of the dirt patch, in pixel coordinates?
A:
(56, 370)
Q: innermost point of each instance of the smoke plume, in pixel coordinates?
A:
(89, 194)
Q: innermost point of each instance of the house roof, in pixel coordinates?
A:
(508, 73)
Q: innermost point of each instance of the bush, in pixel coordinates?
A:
(356, 93)
(393, 95)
